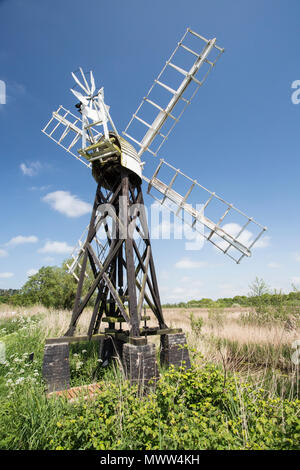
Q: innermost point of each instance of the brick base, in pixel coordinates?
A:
(75, 393)
(173, 351)
(140, 364)
(56, 367)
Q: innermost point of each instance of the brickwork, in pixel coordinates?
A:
(140, 363)
(56, 367)
(173, 350)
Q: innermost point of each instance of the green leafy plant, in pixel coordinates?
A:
(196, 324)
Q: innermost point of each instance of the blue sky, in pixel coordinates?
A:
(246, 125)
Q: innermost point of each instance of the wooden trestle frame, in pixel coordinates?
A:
(116, 277)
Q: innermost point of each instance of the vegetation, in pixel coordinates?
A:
(51, 286)
(241, 393)
(200, 408)
(259, 296)
(293, 298)
(6, 295)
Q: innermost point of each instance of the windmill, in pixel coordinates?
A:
(124, 277)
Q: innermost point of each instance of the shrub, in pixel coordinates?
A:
(216, 317)
(196, 324)
(199, 408)
(189, 409)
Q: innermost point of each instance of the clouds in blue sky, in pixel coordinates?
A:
(67, 203)
(6, 275)
(31, 169)
(56, 247)
(21, 239)
(240, 136)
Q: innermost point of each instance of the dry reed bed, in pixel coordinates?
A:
(56, 322)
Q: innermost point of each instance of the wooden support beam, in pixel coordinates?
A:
(114, 248)
(110, 285)
(101, 311)
(113, 319)
(159, 331)
(131, 286)
(73, 339)
(145, 276)
(157, 311)
(95, 313)
(110, 276)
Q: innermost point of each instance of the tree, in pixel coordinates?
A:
(258, 288)
(53, 287)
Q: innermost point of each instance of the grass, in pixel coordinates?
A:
(242, 392)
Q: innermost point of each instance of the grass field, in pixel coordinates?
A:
(241, 393)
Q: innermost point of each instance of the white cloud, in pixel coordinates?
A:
(31, 272)
(233, 230)
(20, 239)
(40, 188)
(182, 293)
(273, 265)
(166, 228)
(3, 253)
(2, 92)
(164, 224)
(246, 237)
(56, 247)
(297, 257)
(6, 275)
(186, 288)
(67, 204)
(187, 263)
(263, 242)
(14, 90)
(30, 170)
(295, 280)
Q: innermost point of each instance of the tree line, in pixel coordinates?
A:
(53, 287)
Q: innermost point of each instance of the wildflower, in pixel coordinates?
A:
(78, 365)
(19, 380)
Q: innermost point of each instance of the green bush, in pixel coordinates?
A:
(189, 409)
(199, 408)
(196, 324)
(216, 317)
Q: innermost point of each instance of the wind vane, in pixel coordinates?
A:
(123, 266)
